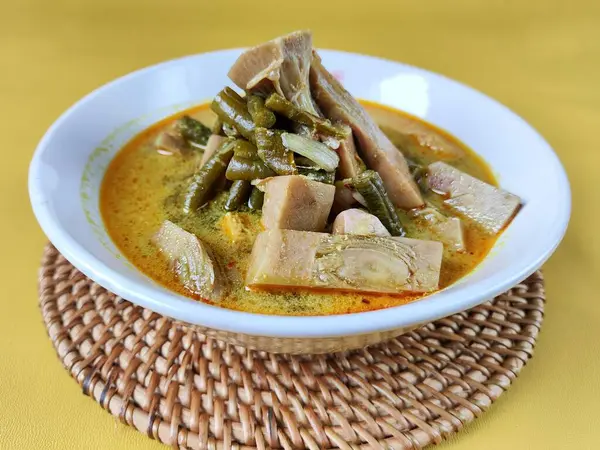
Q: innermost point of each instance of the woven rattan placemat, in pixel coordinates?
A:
(191, 391)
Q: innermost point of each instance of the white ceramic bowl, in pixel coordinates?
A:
(70, 161)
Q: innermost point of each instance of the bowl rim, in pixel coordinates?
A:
(203, 314)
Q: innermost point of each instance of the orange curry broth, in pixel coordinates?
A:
(136, 197)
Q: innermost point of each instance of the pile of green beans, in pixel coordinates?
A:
(256, 148)
(280, 105)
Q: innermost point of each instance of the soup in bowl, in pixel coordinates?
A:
(297, 200)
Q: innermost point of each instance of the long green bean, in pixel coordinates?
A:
(370, 186)
(231, 109)
(193, 130)
(280, 105)
(318, 175)
(206, 177)
(230, 130)
(273, 153)
(256, 199)
(234, 95)
(240, 168)
(261, 116)
(238, 194)
(245, 149)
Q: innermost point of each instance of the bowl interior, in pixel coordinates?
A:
(67, 170)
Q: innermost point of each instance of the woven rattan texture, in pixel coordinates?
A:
(190, 391)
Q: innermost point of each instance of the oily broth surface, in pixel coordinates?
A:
(139, 192)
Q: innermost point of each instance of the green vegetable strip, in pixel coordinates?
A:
(238, 194)
(230, 131)
(318, 175)
(318, 152)
(240, 168)
(256, 199)
(273, 153)
(206, 177)
(369, 185)
(231, 109)
(234, 95)
(245, 149)
(280, 105)
(193, 130)
(261, 116)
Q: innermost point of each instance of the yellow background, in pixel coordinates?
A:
(541, 58)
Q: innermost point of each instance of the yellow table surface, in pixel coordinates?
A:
(541, 58)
